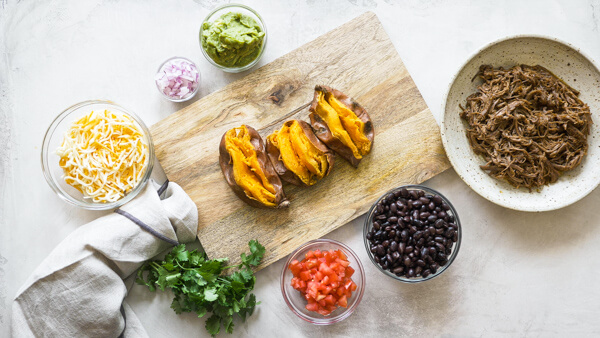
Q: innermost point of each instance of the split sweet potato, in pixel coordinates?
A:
(341, 123)
(298, 156)
(248, 171)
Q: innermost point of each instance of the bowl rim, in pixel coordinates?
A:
(192, 94)
(45, 152)
(369, 221)
(482, 192)
(263, 46)
(359, 270)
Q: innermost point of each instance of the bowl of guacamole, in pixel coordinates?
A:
(233, 38)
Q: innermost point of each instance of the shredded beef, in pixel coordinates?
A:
(528, 124)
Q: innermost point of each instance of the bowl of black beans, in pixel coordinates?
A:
(412, 233)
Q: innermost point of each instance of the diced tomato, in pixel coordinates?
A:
(312, 307)
(324, 279)
(319, 276)
(343, 301)
(295, 267)
(349, 271)
(305, 275)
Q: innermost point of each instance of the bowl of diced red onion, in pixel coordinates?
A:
(178, 79)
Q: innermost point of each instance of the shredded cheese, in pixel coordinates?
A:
(104, 155)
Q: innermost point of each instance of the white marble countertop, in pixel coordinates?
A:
(517, 273)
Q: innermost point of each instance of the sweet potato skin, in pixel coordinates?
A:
(284, 173)
(227, 168)
(323, 132)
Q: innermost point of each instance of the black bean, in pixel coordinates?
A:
(417, 235)
(412, 233)
(424, 252)
(401, 247)
(404, 192)
(398, 270)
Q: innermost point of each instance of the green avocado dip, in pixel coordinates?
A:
(233, 40)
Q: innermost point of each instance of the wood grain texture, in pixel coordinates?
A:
(359, 60)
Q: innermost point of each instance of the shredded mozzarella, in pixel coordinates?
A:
(104, 155)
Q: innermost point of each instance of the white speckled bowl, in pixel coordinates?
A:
(566, 62)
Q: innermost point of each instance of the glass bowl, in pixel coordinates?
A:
(215, 14)
(172, 99)
(53, 139)
(297, 302)
(455, 246)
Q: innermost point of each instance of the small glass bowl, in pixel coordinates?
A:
(297, 302)
(455, 247)
(215, 14)
(53, 139)
(190, 95)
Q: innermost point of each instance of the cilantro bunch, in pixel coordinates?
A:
(199, 286)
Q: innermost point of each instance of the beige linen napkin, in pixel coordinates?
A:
(78, 290)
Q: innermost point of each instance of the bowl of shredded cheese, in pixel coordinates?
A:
(97, 155)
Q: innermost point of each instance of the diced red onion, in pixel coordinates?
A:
(178, 79)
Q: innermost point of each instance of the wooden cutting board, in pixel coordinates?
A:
(357, 58)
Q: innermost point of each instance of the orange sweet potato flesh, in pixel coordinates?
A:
(298, 156)
(341, 123)
(247, 169)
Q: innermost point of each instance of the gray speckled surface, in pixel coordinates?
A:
(516, 274)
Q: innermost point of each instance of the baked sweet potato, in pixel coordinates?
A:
(247, 169)
(341, 123)
(298, 156)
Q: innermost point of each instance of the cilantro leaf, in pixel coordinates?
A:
(200, 285)
(213, 325)
(257, 252)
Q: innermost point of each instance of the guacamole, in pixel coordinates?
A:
(233, 40)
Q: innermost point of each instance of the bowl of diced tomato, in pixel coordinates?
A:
(323, 281)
